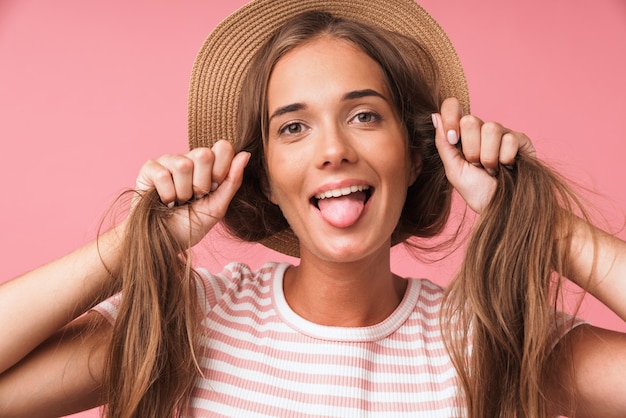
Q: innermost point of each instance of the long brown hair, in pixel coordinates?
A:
(502, 303)
(152, 366)
(502, 308)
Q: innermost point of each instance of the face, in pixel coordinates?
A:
(336, 153)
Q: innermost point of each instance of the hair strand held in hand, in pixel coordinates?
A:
(502, 306)
(153, 367)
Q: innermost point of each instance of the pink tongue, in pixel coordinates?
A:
(343, 211)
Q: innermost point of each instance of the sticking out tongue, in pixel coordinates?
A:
(342, 211)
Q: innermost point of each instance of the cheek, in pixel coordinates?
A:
(282, 177)
(401, 167)
(270, 187)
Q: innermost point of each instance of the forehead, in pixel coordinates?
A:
(322, 65)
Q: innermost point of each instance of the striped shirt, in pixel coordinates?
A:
(259, 358)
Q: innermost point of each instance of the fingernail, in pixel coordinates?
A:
(214, 186)
(434, 120)
(491, 171)
(452, 137)
(171, 205)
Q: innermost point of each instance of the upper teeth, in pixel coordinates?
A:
(341, 192)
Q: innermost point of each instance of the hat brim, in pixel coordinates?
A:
(224, 59)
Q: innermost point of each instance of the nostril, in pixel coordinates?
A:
(341, 161)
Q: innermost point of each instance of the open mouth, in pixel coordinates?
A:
(363, 190)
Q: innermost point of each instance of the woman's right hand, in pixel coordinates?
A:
(206, 179)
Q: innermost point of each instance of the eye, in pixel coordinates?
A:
(292, 129)
(366, 117)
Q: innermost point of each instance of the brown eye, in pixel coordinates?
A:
(293, 129)
(365, 117)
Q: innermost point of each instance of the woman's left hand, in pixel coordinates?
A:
(486, 146)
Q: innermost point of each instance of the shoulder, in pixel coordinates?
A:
(429, 294)
(424, 299)
(235, 277)
(236, 272)
(588, 364)
(212, 287)
(429, 288)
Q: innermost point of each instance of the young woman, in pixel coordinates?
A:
(342, 146)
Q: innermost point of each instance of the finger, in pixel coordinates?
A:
(203, 159)
(154, 175)
(223, 194)
(509, 148)
(224, 153)
(472, 183)
(181, 171)
(514, 143)
(492, 137)
(451, 113)
(471, 141)
(525, 145)
(450, 156)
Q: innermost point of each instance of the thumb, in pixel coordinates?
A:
(212, 208)
(474, 185)
(453, 161)
(224, 193)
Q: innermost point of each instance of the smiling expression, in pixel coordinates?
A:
(336, 151)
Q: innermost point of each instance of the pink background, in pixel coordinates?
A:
(90, 90)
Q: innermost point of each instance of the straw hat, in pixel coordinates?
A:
(224, 59)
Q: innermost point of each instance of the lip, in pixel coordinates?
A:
(343, 184)
(340, 185)
(344, 191)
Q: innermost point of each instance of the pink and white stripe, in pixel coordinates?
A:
(261, 359)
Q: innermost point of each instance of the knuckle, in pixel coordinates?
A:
(471, 154)
(451, 110)
(163, 159)
(451, 101)
(469, 122)
(149, 165)
(161, 175)
(183, 165)
(491, 129)
(489, 160)
(223, 146)
(203, 155)
(510, 139)
(184, 195)
(509, 148)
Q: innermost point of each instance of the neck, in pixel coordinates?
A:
(354, 294)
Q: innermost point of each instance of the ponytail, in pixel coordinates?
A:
(501, 309)
(152, 365)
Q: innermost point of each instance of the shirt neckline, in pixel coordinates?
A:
(342, 334)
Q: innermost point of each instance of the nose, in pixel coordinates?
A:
(334, 148)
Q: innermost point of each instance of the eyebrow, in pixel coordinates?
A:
(357, 94)
(294, 107)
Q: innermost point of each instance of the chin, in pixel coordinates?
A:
(350, 251)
